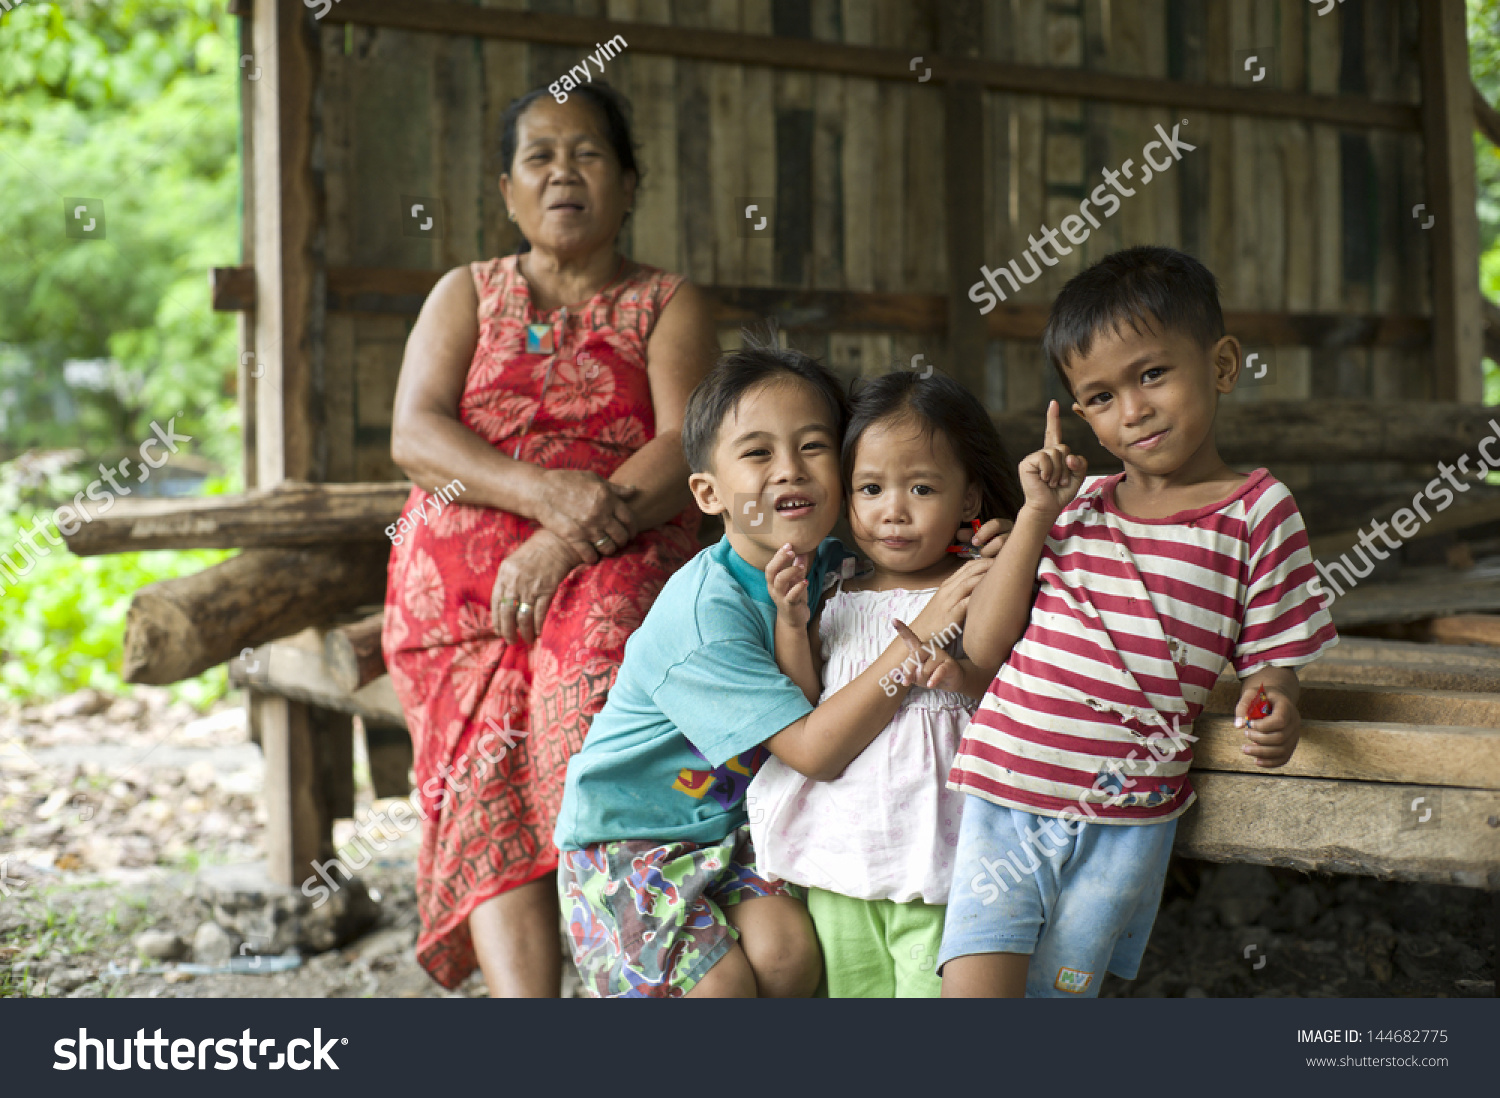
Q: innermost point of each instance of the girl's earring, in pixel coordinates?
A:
(512, 214)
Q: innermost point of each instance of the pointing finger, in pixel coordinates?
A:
(1054, 426)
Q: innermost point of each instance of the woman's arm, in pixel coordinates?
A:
(428, 442)
(682, 348)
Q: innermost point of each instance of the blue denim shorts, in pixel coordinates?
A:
(1080, 904)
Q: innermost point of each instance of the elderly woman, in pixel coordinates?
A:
(550, 386)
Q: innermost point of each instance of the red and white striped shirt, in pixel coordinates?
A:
(1133, 622)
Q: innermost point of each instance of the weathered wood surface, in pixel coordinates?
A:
(1363, 660)
(180, 627)
(294, 513)
(294, 667)
(689, 42)
(1461, 514)
(352, 653)
(1414, 599)
(1326, 826)
(1466, 629)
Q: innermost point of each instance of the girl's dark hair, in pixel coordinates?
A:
(759, 360)
(939, 403)
(613, 110)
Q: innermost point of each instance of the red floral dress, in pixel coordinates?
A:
(564, 390)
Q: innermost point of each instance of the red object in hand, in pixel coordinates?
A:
(1261, 706)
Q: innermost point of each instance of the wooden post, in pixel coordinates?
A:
(309, 755)
(289, 291)
(1448, 140)
(288, 282)
(963, 185)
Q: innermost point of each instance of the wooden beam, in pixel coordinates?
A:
(1370, 661)
(400, 292)
(352, 653)
(1412, 599)
(1380, 751)
(294, 667)
(177, 628)
(1486, 117)
(1448, 143)
(287, 219)
(1303, 431)
(1466, 629)
(836, 58)
(1491, 313)
(1344, 827)
(294, 513)
(1459, 516)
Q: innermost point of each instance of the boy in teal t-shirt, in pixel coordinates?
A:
(657, 872)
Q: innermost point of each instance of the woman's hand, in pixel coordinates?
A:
(586, 511)
(786, 579)
(525, 584)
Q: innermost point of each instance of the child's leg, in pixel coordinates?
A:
(996, 905)
(986, 976)
(914, 935)
(852, 934)
(775, 935)
(778, 946)
(1109, 890)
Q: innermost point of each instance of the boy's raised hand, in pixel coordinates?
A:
(786, 578)
(1052, 476)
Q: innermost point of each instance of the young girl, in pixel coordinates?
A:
(875, 845)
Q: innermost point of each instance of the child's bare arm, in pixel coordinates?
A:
(786, 578)
(1273, 738)
(1001, 605)
(824, 742)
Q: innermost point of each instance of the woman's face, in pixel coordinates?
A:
(565, 185)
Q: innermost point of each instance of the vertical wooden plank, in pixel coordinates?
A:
(758, 118)
(694, 149)
(794, 178)
(726, 142)
(245, 321)
(288, 283)
(963, 172)
(504, 80)
(1027, 374)
(457, 150)
(1448, 132)
(294, 814)
(828, 182)
(656, 236)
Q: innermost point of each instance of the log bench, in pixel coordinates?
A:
(1385, 725)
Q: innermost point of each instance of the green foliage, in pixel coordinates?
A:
(134, 104)
(1484, 66)
(62, 624)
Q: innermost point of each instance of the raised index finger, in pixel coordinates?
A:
(1054, 426)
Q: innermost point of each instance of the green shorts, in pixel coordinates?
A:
(646, 919)
(877, 949)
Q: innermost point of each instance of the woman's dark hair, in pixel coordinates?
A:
(613, 110)
(759, 360)
(939, 403)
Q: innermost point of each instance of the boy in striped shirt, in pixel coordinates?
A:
(1147, 584)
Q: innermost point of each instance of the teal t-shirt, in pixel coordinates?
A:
(672, 752)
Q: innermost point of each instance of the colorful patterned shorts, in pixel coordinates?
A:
(646, 919)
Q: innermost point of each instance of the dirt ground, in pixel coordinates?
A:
(109, 807)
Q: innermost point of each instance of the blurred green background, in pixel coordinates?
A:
(136, 103)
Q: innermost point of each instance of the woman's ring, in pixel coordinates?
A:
(523, 609)
(603, 543)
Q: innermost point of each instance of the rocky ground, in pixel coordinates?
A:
(110, 809)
